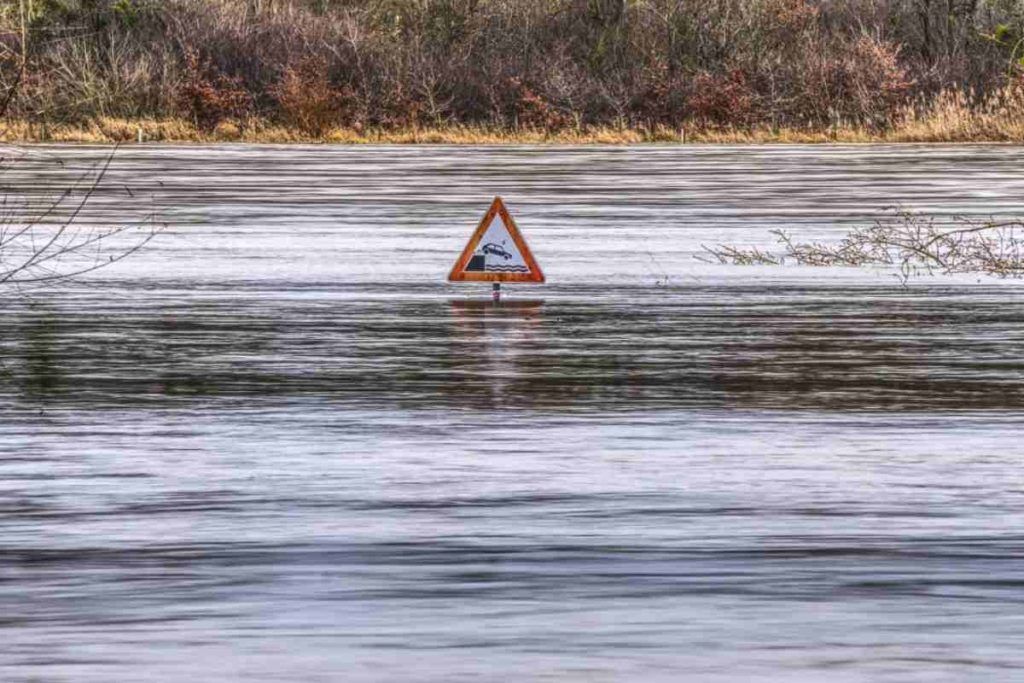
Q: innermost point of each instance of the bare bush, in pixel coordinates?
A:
(309, 101)
(46, 241)
(532, 63)
(722, 99)
(210, 96)
(912, 242)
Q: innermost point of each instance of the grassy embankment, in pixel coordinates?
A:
(501, 71)
(1000, 118)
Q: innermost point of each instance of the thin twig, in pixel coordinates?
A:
(908, 240)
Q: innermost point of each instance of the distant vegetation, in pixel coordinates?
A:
(501, 69)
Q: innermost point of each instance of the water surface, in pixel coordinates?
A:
(277, 446)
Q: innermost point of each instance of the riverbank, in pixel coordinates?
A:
(551, 71)
(938, 127)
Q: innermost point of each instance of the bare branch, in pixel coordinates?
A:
(37, 250)
(911, 241)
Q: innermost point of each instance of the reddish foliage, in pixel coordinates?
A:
(209, 96)
(722, 98)
(862, 82)
(788, 63)
(788, 17)
(307, 100)
(531, 110)
(662, 99)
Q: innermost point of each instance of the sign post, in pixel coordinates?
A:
(496, 253)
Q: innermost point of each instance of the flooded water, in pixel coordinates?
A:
(277, 446)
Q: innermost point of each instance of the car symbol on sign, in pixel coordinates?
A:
(497, 250)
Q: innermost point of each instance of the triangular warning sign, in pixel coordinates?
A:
(496, 252)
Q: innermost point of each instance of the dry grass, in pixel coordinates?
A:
(950, 119)
(955, 116)
(951, 116)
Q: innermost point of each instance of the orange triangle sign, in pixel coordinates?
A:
(496, 252)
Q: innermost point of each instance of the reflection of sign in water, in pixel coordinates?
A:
(491, 345)
(496, 252)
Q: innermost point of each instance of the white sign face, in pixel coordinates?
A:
(497, 251)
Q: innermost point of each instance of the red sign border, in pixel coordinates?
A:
(458, 272)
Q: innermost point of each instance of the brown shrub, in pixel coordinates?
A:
(307, 100)
(722, 99)
(862, 82)
(662, 98)
(208, 96)
(531, 110)
(553, 64)
(786, 18)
